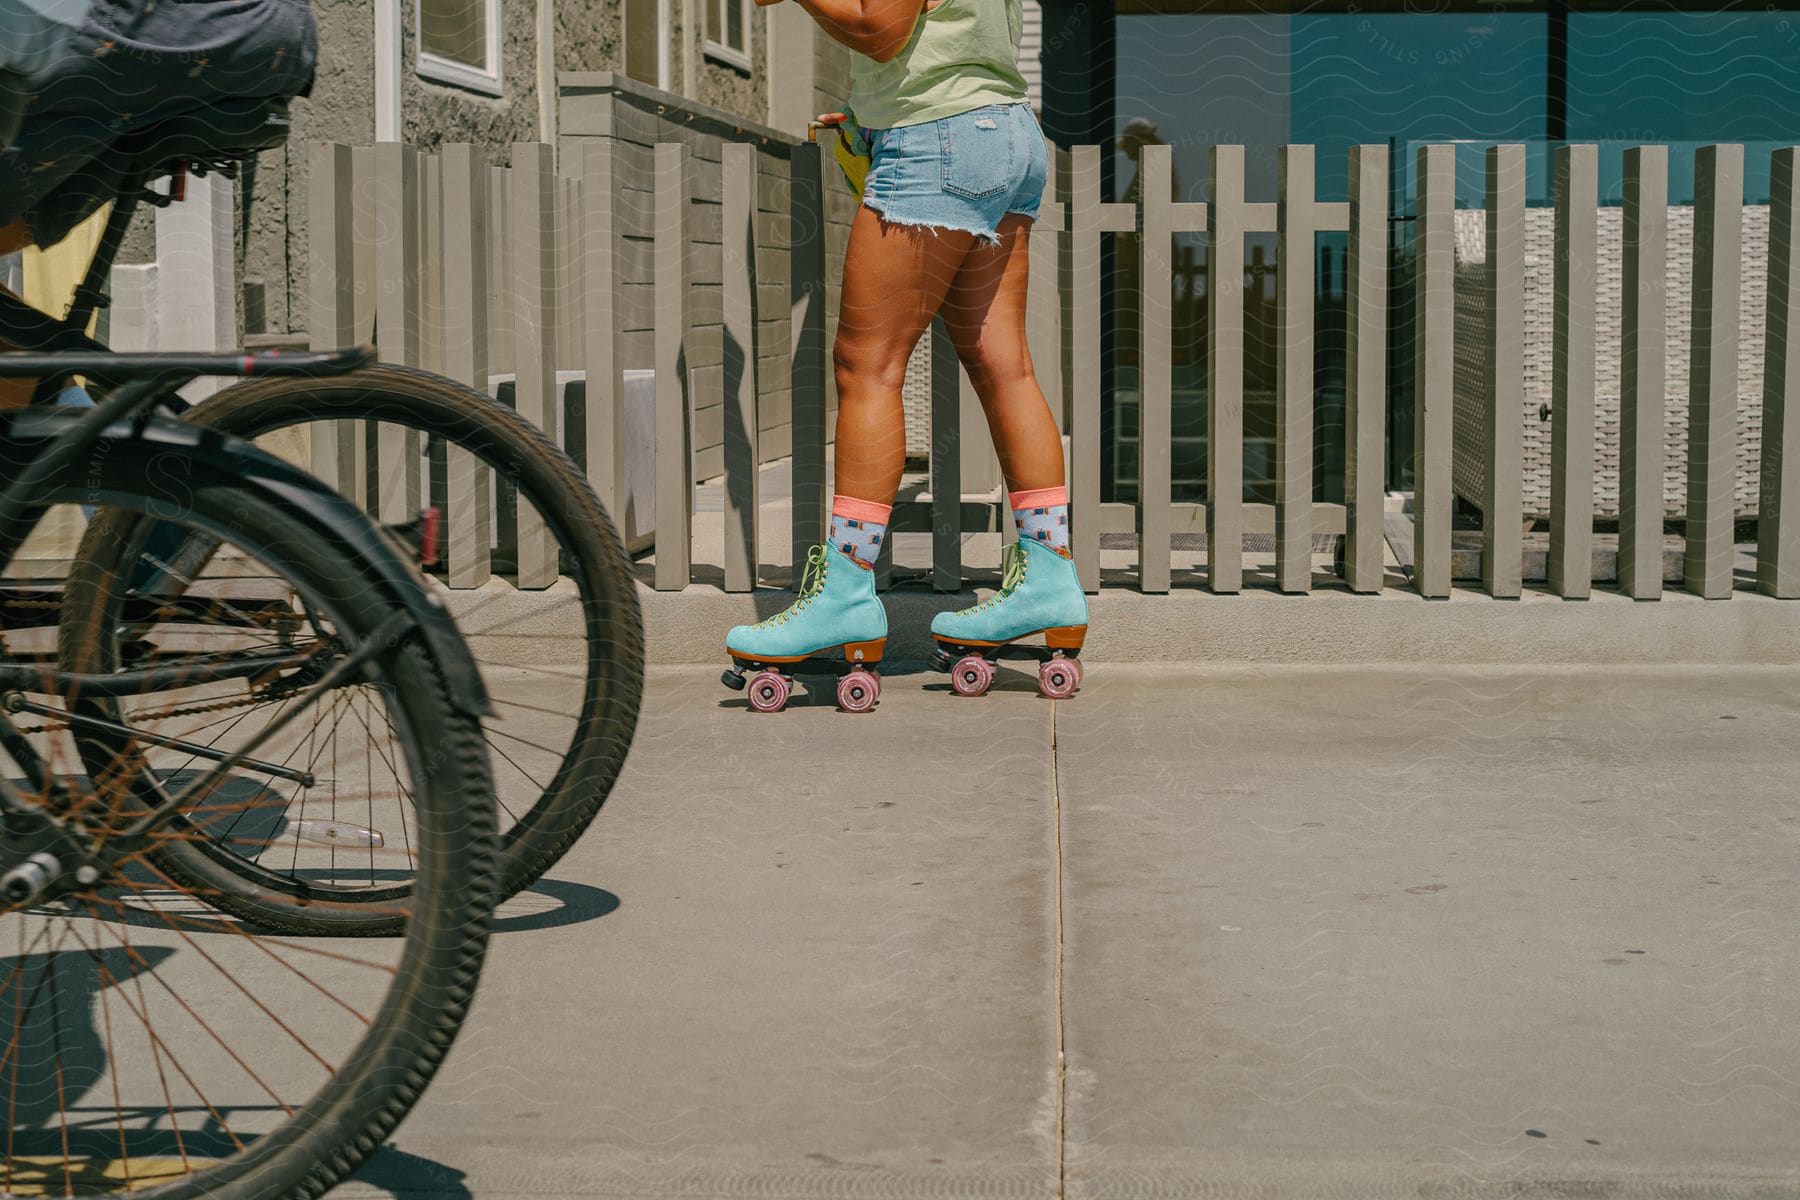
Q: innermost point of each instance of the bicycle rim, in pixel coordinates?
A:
(155, 1045)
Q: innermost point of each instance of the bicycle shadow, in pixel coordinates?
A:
(574, 904)
(546, 904)
(399, 1173)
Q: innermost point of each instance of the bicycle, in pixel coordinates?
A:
(551, 784)
(146, 1044)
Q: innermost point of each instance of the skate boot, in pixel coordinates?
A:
(837, 609)
(1039, 594)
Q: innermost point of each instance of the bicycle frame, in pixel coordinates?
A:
(131, 388)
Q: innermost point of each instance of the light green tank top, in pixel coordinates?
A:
(963, 54)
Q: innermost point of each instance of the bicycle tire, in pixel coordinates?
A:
(326, 1137)
(613, 689)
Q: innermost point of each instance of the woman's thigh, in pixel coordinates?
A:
(984, 310)
(895, 278)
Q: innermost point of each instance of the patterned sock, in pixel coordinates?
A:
(857, 527)
(1043, 517)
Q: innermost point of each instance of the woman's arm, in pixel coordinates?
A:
(877, 28)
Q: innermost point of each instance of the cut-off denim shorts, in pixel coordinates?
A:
(963, 172)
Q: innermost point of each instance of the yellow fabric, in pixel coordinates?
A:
(854, 163)
(51, 276)
(852, 152)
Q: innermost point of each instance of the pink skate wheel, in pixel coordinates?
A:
(972, 675)
(1079, 671)
(858, 691)
(1058, 679)
(768, 691)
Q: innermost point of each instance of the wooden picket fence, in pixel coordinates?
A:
(438, 252)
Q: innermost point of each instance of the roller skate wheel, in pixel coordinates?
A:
(1079, 670)
(733, 679)
(972, 676)
(1058, 678)
(768, 691)
(858, 691)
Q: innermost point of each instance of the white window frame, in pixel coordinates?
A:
(439, 69)
(721, 52)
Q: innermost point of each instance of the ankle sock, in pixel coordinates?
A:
(1043, 517)
(858, 526)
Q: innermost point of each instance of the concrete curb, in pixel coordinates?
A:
(1329, 626)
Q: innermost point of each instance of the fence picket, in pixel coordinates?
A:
(1296, 223)
(738, 190)
(1156, 344)
(1641, 381)
(1085, 211)
(331, 283)
(533, 229)
(1502, 451)
(500, 303)
(1572, 388)
(1044, 326)
(1433, 368)
(674, 485)
(395, 473)
(468, 483)
(1365, 387)
(603, 332)
(431, 263)
(1778, 509)
(1225, 373)
(570, 295)
(807, 362)
(1712, 399)
(945, 462)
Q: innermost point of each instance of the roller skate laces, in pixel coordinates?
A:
(812, 582)
(1012, 574)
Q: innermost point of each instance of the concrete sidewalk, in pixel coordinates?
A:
(1274, 932)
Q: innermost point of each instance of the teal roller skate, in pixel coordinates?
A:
(1039, 593)
(837, 610)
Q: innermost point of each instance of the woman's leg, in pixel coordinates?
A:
(1039, 589)
(895, 278)
(985, 311)
(894, 281)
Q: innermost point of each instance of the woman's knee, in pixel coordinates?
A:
(994, 366)
(868, 364)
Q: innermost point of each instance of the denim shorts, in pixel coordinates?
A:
(963, 172)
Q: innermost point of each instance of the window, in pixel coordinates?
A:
(646, 38)
(459, 43)
(728, 31)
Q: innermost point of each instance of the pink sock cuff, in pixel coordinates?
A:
(1039, 498)
(860, 510)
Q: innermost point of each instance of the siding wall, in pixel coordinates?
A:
(602, 107)
(341, 108)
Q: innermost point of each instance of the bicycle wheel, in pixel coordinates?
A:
(152, 1046)
(566, 694)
